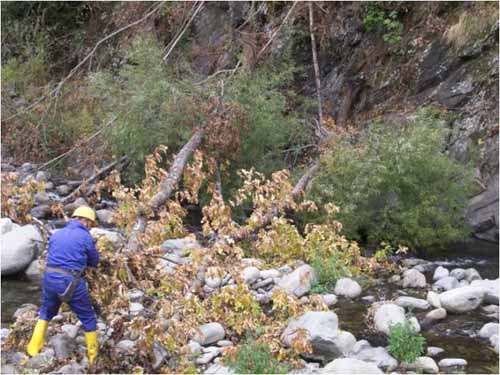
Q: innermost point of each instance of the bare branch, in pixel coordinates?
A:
(316, 68)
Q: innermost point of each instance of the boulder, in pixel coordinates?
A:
(209, 333)
(452, 365)
(160, 355)
(180, 246)
(34, 272)
(8, 369)
(426, 365)
(433, 351)
(63, 189)
(194, 348)
(463, 283)
(444, 284)
(72, 368)
(299, 282)
(208, 355)
(135, 308)
(19, 247)
(320, 330)
(219, 369)
(412, 303)
(6, 225)
(435, 315)
(440, 272)
(491, 287)
(329, 299)
(42, 176)
(488, 330)
(347, 288)
(350, 366)
(379, 356)
(63, 346)
(272, 273)
(125, 345)
(41, 212)
(135, 295)
(463, 299)
(388, 314)
(104, 217)
(413, 279)
(251, 274)
(433, 299)
(494, 342)
(458, 273)
(471, 274)
(412, 262)
(115, 239)
(41, 198)
(4, 333)
(45, 358)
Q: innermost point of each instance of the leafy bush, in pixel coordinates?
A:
(378, 19)
(395, 184)
(404, 343)
(256, 359)
(328, 271)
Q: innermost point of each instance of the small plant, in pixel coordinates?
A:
(256, 359)
(404, 343)
(328, 271)
(380, 20)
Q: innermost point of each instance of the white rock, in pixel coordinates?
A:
(329, 299)
(412, 303)
(412, 262)
(208, 355)
(426, 365)
(272, 273)
(136, 295)
(347, 288)
(448, 363)
(488, 330)
(194, 348)
(492, 288)
(387, 315)
(395, 279)
(458, 273)
(433, 351)
(413, 322)
(19, 247)
(298, 282)
(471, 274)
(437, 314)
(104, 216)
(116, 240)
(219, 369)
(34, 272)
(440, 272)
(413, 279)
(41, 198)
(379, 356)
(209, 333)
(4, 333)
(70, 330)
(463, 283)
(350, 366)
(224, 343)
(444, 284)
(345, 342)
(462, 300)
(42, 176)
(181, 246)
(213, 282)
(6, 225)
(251, 274)
(63, 189)
(433, 299)
(136, 308)
(494, 340)
(125, 345)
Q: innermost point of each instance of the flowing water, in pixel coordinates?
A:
(456, 334)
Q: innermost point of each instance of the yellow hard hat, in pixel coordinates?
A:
(85, 212)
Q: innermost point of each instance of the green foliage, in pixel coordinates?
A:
(404, 343)
(256, 359)
(378, 19)
(328, 271)
(395, 184)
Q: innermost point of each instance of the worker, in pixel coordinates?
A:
(71, 250)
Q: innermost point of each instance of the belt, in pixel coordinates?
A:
(68, 293)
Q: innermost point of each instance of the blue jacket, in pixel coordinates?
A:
(72, 248)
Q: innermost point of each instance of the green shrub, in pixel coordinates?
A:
(328, 272)
(256, 359)
(404, 343)
(395, 184)
(378, 19)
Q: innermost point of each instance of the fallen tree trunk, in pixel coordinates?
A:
(118, 164)
(167, 187)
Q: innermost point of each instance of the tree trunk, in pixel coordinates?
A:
(320, 129)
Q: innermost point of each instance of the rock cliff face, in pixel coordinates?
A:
(447, 57)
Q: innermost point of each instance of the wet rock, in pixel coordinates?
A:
(444, 284)
(452, 365)
(413, 279)
(412, 303)
(299, 282)
(34, 272)
(433, 299)
(494, 342)
(458, 273)
(115, 239)
(439, 273)
(209, 333)
(329, 299)
(347, 288)
(488, 330)
(491, 287)
(462, 300)
(45, 358)
(433, 351)
(426, 365)
(63, 345)
(125, 345)
(19, 247)
(251, 275)
(219, 369)
(379, 356)
(105, 216)
(321, 331)
(350, 366)
(387, 315)
(435, 315)
(136, 308)
(490, 309)
(471, 274)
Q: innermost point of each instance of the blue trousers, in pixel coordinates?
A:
(56, 283)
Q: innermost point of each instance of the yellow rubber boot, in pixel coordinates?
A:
(38, 338)
(92, 347)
